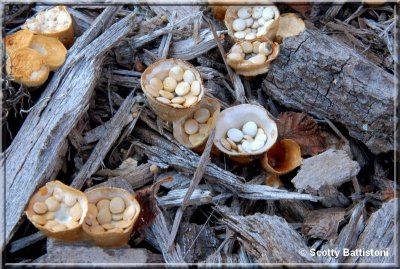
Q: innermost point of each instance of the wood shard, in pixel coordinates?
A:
(268, 237)
(332, 167)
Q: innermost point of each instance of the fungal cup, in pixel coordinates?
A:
(58, 211)
(235, 118)
(111, 215)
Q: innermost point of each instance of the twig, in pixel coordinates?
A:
(198, 175)
(165, 48)
(336, 130)
(235, 79)
(104, 144)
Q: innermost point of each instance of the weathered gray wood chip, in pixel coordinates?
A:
(332, 167)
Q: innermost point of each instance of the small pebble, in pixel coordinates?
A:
(58, 194)
(250, 36)
(239, 24)
(265, 49)
(244, 12)
(69, 199)
(256, 45)
(191, 126)
(189, 77)
(235, 134)
(250, 128)
(182, 88)
(268, 13)
(129, 213)
(233, 144)
(49, 215)
(258, 59)
(104, 216)
(202, 115)
(239, 35)
(196, 139)
(117, 205)
(58, 228)
(225, 143)
(169, 84)
(195, 88)
(235, 57)
(247, 47)
(152, 90)
(176, 72)
(178, 100)
(52, 203)
(76, 212)
(39, 208)
(166, 94)
(249, 22)
(257, 12)
(156, 83)
(163, 100)
(154, 169)
(104, 203)
(190, 100)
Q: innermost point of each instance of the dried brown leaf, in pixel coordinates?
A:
(146, 199)
(304, 130)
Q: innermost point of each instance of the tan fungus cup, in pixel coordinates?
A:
(283, 157)
(62, 215)
(28, 67)
(271, 30)
(182, 137)
(236, 117)
(249, 68)
(160, 69)
(52, 50)
(20, 39)
(111, 238)
(65, 34)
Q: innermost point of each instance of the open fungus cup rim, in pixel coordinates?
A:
(253, 69)
(231, 15)
(97, 194)
(160, 69)
(179, 133)
(236, 117)
(44, 192)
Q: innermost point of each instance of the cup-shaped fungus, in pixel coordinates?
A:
(58, 211)
(52, 50)
(193, 129)
(248, 23)
(173, 87)
(20, 39)
(111, 215)
(283, 157)
(251, 58)
(245, 132)
(55, 22)
(289, 25)
(27, 67)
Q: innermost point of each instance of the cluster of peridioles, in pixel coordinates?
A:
(40, 47)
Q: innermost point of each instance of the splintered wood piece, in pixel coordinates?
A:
(266, 237)
(378, 235)
(323, 223)
(105, 143)
(332, 167)
(318, 74)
